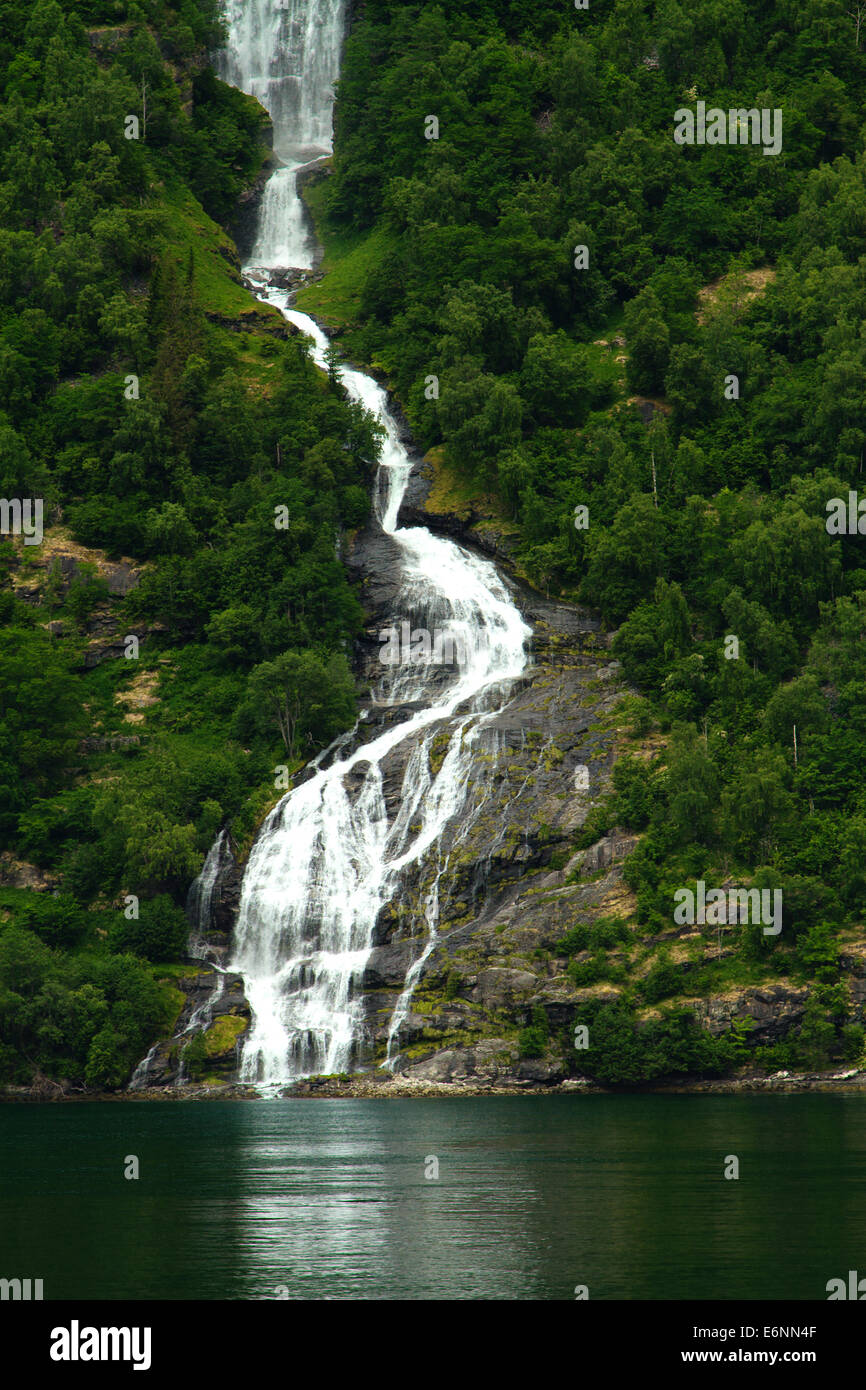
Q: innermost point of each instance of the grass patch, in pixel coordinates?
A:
(350, 257)
(218, 285)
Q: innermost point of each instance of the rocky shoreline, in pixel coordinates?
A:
(380, 1085)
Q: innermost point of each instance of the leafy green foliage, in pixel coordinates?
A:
(532, 1040)
(705, 525)
(86, 1018)
(739, 618)
(623, 1051)
(226, 476)
(159, 933)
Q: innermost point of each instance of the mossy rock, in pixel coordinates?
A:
(175, 1001)
(438, 749)
(222, 1035)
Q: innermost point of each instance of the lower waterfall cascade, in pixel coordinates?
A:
(326, 861)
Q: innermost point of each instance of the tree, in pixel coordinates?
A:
(159, 933)
(693, 787)
(87, 590)
(798, 705)
(555, 380)
(306, 696)
(107, 1068)
(636, 786)
(690, 386)
(637, 646)
(235, 633)
(480, 418)
(755, 803)
(41, 716)
(169, 530)
(532, 1040)
(647, 343)
(766, 642)
(838, 649)
(625, 559)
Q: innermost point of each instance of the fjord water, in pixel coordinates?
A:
(329, 856)
(535, 1195)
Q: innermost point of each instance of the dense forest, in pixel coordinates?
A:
(706, 514)
(648, 358)
(163, 417)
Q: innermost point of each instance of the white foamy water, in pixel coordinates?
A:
(328, 858)
(332, 854)
(286, 53)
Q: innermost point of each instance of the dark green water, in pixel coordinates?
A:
(535, 1195)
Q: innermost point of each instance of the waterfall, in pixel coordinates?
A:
(199, 902)
(138, 1080)
(329, 856)
(199, 910)
(286, 53)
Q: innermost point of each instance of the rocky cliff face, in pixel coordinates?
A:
(508, 881)
(204, 1046)
(497, 910)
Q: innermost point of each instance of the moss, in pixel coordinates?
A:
(175, 1000)
(163, 974)
(222, 1035)
(441, 1042)
(453, 982)
(438, 749)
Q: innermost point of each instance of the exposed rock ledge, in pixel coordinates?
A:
(382, 1086)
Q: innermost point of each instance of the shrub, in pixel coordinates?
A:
(160, 933)
(533, 1039)
(663, 980)
(56, 920)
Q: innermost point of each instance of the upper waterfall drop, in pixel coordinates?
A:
(335, 851)
(287, 54)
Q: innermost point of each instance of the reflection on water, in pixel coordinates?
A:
(329, 1199)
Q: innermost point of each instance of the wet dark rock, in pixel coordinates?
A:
(163, 1068)
(774, 1009)
(226, 897)
(388, 966)
(112, 646)
(610, 850)
(499, 987)
(374, 559)
(115, 743)
(245, 221)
